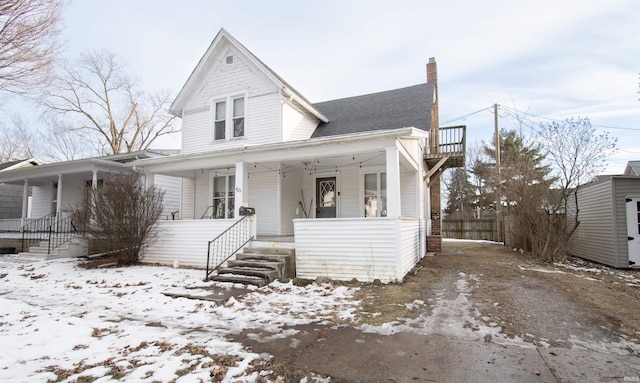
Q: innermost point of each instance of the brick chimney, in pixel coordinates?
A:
(434, 239)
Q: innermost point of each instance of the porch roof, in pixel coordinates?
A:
(80, 168)
(50, 172)
(282, 151)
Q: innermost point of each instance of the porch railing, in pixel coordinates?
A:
(447, 147)
(450, 140)
(11, 224)
(228, 243)
(36, 230)
(61, 232)
(55, 231)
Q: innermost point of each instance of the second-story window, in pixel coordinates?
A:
(228, 118)
(238, 117)
(220, 121)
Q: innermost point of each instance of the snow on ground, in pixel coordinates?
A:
(60, 322)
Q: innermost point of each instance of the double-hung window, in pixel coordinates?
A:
(228, 118)
(375, 194)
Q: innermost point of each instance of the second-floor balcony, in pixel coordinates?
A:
(447, 147)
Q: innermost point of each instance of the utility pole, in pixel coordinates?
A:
(498, 177)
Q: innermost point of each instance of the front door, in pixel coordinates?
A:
(633, 230)
(326, 197)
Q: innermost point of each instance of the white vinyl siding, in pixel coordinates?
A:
(263, 196)
(262, 108)
(41, 200)
(409, 194)
(202, 195)
(361, 248)
(73, 192)
(349, 197)
(171, 186)
(296, 123)
(412, 240)
(187, 207)
(185, 241)
(290, 196)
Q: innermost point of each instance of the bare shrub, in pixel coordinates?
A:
(119, 217)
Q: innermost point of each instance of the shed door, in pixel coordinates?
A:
(633, 230)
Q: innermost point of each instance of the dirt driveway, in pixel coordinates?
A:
(477, 312)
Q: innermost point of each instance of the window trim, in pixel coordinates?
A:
(377, 170)
(212, 177)
(229, 118)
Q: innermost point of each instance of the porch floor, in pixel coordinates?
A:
(276, 238)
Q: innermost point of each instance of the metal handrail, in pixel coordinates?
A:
(36, 229)
(61, 232)
(206, 211)
(228, 243)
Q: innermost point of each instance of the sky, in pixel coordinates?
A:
(551, 59)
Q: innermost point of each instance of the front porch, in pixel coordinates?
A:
(365, 249)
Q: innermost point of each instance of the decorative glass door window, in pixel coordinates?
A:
(223, 196)
(375, 194)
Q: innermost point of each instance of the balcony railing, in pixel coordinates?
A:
(447, 142)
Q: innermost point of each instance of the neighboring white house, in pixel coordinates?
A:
(346, 181)
(11, 196)
(50, 192)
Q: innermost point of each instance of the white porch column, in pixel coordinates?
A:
(94, 180)
(393, 182)
(59, 196)
(25, 199)
(149, 180)
(242, 187)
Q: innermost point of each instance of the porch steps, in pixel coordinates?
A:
(259, 264)
(74, 248)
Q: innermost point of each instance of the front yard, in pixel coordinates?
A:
(62, 323)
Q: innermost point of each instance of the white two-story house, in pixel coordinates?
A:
(346, 182)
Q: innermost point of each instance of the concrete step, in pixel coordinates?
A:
(258, 263)
(244, 279)
(268, 250)
(267, 274)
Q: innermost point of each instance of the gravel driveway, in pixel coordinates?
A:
(477, 312)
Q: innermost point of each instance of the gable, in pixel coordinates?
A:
(632, 169)
(213, 57)
(399, 108)
(235, 78)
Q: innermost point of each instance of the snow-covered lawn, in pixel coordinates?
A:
(59, 322)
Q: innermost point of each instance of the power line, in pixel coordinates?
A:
(558, 120)
(467, 115)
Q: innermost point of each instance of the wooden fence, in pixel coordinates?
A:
(486, 229)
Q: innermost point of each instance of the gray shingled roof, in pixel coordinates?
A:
(398, 108)
(9, 164)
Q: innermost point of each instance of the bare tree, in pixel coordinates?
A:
(60, 143)
(119, 217)
(105, 103)
(28, 43)
(577, 153)
(17, 142)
